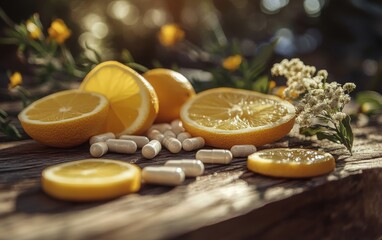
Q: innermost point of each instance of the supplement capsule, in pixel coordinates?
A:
(169, 133)
(121, 146)
(163, 175)
(190, 167)
(177, 126)
(151, 149)
(183, 136)
(101, 138)
(155, 135)
(139, 140)
(193, 143)
(172, 144)
(242, 150)
(161, 127)
(220, 156)
(98, 149)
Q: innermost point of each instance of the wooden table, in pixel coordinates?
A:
(227, 202)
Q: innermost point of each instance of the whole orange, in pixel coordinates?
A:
(173, 90)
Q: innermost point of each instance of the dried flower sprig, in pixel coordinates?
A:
(319, 104)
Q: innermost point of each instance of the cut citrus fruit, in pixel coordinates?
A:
(173, 90)
(291, 163)
(225, 117)
(65, 119)
(133, 101)
(91, 179)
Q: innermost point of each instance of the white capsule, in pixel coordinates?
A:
(139, 140)
(169, 133)
(163, 175)
(172, 144)
(151, 149)
(242, 150)
(98, 149)
(155, 135)
(177, 126)
(183, 136)
(161, 127)
(121, 146)
(101, 138)
(190, 167)
(220, 156)
(193, 143)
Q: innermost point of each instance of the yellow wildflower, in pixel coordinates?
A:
(232, 63)
(59, 31)
(272, 85)
(170, 34)
(14, 80)
(33, 30)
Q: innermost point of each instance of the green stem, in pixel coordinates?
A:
(5, 18)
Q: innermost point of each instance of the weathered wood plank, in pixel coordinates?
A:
(227, 202)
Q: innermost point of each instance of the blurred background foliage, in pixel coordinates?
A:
(342, 36)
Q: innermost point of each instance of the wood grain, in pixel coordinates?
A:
(227, 202)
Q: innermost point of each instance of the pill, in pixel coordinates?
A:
(177, 126)
(101, 138)
(190, 167)
(155, 135)
(220, 156)
(169, 133)
(183, 136)
(98, 149)
(193, 143)
(242, 150)
(163, 175)
(139, 140)
(151, 149)
(172, 144)
(121, 146)
(161, 127)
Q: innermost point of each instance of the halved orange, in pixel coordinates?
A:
(226, 116)
(291, 163)
(65, 119)
(133, 101)
(91, 179)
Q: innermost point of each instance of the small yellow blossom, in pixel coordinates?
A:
(232, 63)
(14, 80)
(272, 85)
(170, 34)
(59, 31)
(33, 30)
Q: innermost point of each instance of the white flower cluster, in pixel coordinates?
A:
(319, 98)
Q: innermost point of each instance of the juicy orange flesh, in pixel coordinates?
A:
(225, 111)
(63, 107)
(294, 156)
(87, 170)
(124, 96)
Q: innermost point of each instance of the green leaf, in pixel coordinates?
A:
(369, 97)
(312, 130)
(96, 54)
(347, 130)
(137, 66)
(3, 114)
(329, 136)
(126, 56)
(263, 55)
(261, 84)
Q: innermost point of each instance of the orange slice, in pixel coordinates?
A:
(65, 119)
(225, 117)
(91, 179)
(291, 163)
(133, 101)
